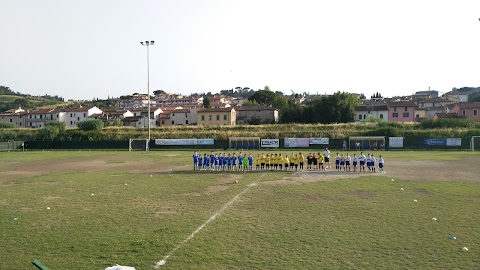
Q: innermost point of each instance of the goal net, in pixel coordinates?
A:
(475, 143)
(244, 142)
(366, 142)
(138, 145)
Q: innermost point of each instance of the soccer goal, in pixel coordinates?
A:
(244, 142)
(366, 142)
(475, 143)
(138, 144)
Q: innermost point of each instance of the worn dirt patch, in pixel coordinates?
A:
(361, 194)
(51, 198)
(214, 189)
(18, 170)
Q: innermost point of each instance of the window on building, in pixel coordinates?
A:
(218, 117)
(71, 115)
(417, 116)
(394, 115)
(225, 117)
(406, 108)
(406, 114)
(210, 118)
(173, 122)
(464, 112)
(163, 122)
(203, 117)
(78, 118)
(359, 117)
(186, 122)
(173, 114)
(394, 109)
(381, 116)
(186, 115)
(475, 112)
(71, 122)
(84, 115)
(11, 120)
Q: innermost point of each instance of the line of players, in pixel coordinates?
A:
(223, 162)
(294, 162)
(348, 163)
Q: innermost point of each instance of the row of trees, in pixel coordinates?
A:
(336, 108)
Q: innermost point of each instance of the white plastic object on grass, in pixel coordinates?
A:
(401, 188)
(465, 249)
(48, 208)
(119, 267)
(415, 201)
(434, 219)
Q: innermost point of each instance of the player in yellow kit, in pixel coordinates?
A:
(286, 161)
(280, 161)
(301, 160)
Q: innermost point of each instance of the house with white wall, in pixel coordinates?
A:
(73, 116)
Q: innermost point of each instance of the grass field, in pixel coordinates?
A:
(90, 210)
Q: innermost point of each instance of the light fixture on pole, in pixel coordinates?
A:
(147, 44)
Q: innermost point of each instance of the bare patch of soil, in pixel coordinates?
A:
(361, 194)
(17, 170)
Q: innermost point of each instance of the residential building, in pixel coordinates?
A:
(19, 119)
(422, 95)
(216, 116)
(178, 117)
(457, 95)
(468, 110)
(256, 114)
(143, 113)
(39, 118)
(372, 110)
(401, 111)
(75, 115)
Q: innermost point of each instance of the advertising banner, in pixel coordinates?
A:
(296, 142)
(435, 141)
(184, 141)
(270, 143)
(454, 141)
(395, 142)
(319, 141)
(205, 141)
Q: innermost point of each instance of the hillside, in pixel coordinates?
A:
(12, 100)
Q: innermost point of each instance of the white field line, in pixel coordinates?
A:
(213, 217)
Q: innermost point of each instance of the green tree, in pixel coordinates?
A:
(93, 125)
(206, 102)
(263, 97)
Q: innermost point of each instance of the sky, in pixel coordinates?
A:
(91, 49)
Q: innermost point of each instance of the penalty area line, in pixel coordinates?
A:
(212, 218)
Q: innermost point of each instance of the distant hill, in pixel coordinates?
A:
(10, 99)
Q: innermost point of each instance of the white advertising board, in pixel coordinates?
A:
(319, 141)
(270, 143)
(454, 141)
(184, 141)
(296, 142)
(395, 142)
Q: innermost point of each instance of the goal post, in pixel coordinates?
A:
(244, 142)
(366, 142)
(475, 143)
(138, 144)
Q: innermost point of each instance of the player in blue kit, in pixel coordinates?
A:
(234, 162)
(250, 162)
(195, 161)
(206, 162)
(200, 163)
(240, 161)
(212, 160)
(355, 161)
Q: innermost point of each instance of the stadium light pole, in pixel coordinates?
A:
(147, 44)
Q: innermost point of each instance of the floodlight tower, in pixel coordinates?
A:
(147, 44)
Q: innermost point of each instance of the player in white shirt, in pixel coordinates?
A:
(347, 161)
(355, 160)
(362, 158)
(381, 161)
(326, 155)
(372, 163)
(368, 160)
